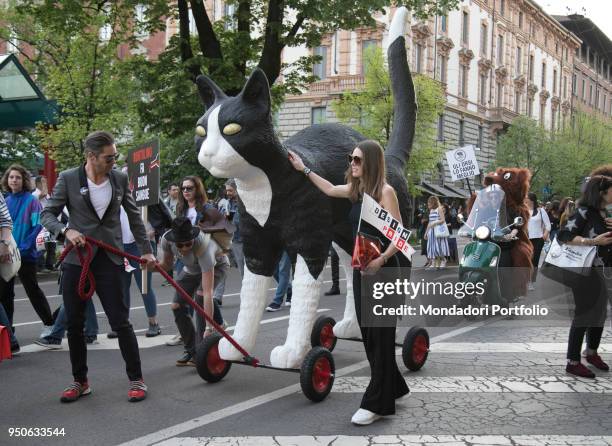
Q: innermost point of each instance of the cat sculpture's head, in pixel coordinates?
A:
(235, 133)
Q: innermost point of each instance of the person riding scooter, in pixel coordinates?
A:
(487, 259)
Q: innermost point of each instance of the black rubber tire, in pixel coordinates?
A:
(317, 328)
(411, 337)
(202, 365)
(307, 374)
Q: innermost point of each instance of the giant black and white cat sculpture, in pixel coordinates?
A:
(281, 209)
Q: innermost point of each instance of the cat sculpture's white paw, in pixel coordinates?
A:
(347, 328)
(288, 356)
(228, 352)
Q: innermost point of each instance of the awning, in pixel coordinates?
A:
(442, 191)
(22, 104)
(427, 190)
(462, 192)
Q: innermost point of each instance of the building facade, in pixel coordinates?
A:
(592, 71)
(496, 59)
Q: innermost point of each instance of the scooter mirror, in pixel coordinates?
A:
(518, 222)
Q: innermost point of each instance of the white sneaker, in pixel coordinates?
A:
(443, 264)
(531, 286)
(287, 303)
(175, 340)
(364, 417)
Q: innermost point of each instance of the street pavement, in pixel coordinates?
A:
(486, 382)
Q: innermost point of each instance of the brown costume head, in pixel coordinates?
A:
(513, 180)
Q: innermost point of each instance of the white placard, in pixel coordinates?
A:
(462, 162)
(381, 219)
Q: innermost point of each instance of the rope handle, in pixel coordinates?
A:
(87, 276)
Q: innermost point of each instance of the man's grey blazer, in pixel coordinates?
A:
(71, 190)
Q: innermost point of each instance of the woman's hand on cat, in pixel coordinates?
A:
(296, 161)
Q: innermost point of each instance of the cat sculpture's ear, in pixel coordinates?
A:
(257, 90)
(209, 91)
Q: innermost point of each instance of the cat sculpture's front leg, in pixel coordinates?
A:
(348, 327)
(306, 294)
(252, 302)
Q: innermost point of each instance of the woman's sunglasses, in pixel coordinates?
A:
(188, 244)
(355, 159)
(187, 188)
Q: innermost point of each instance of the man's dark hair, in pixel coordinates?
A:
(591, 196)
(171, 185)
(96, 141)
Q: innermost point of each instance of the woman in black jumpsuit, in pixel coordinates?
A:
(366, 174)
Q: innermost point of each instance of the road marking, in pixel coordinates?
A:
(143, 342)
(396, 440)
(25, 299)
(204, 419)
(507, 347)
(486, 384)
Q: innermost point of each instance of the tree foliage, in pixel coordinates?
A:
(77, 49)
(267, 27)
(21, 148)
(560, 160)
(370, 111)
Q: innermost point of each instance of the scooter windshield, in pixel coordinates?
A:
(489, 209)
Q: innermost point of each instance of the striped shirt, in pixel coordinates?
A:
(5, 216)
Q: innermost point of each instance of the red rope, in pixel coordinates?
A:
(87, 277)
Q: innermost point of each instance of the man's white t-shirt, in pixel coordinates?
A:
(100, 196)
(126, 232)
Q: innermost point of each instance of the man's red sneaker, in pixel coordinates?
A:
(579, 370)
(75, 391)
(138, 391)
(597, 362)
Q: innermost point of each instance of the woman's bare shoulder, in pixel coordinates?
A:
(388, 190)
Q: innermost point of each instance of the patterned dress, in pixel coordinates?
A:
(436, 246)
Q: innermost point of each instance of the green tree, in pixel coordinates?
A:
(21, 148)
(526, 144)
(370, 111)
(560, 160)
(583, 144)
(77, 58)
(265, 28)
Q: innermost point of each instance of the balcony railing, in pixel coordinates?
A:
(338, 84)
(502, 114)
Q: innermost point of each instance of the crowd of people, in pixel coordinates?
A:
(197, 240)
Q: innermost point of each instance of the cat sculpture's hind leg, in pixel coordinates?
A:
(348, 327)
(252, 302)
(306, 294)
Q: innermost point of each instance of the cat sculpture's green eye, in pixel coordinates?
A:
(200, 131)
(232, 129)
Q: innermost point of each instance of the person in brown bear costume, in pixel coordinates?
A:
(515, 183)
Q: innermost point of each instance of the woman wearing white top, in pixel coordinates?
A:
(539, 231)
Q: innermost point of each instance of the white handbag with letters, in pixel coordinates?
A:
(574, 258)
(9, 269)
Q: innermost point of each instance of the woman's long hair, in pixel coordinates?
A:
(26, 179)
(596, 186)
(534, 200)
(373, 173)
(433, 202)
(200, 196)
